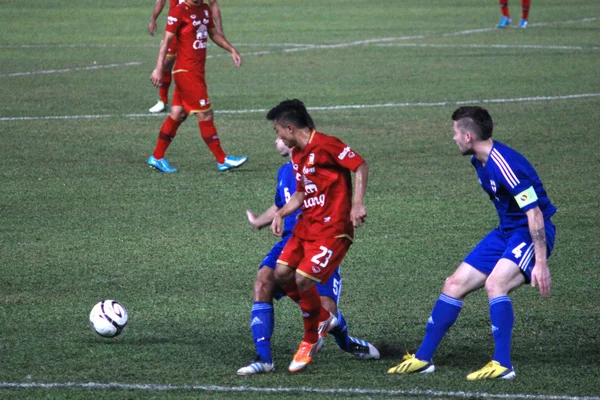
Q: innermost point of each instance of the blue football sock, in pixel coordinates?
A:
(340, 333)
(262, 320)
(443, 316)
(503, 320)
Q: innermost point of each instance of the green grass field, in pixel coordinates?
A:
(84, 218)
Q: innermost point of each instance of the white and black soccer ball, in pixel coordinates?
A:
(108, 318)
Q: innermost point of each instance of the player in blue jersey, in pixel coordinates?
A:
(265, 289)
(513, 254)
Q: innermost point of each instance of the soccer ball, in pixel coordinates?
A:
(108, 318)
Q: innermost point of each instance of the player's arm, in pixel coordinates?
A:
(216, 15)
(222, 42)
(264, 219)
(158, 7)
(359, 210)
(292, 205)
(540, 274)
(157, 74)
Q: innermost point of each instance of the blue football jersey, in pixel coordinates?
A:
(286, 187)
(513, 186)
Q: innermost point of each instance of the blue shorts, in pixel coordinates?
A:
(515, 245)
(332, 288)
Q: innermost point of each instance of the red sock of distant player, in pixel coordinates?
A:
(210, 137)
(291, 290)
(525, 8)
(167, 133)
(504, 8)
(310, 304)
(163, 89)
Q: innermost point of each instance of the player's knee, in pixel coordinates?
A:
(178, 114)
(494, 287)
(205, 115)
(452, 286)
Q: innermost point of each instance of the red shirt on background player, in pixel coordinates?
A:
(163, 89)
(191, 22)
(330, 212)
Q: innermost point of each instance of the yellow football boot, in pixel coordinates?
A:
(493, 370)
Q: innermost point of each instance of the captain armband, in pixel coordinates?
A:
(526, 197)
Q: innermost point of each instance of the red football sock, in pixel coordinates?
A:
(210, 137)
(504, 8)
(310, 304)
(163, 89)
(525, 8)
(292, 291)
(167, 133)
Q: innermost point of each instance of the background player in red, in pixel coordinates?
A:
(505, 21)
(325, 230)
(163, 89)
(192, 24)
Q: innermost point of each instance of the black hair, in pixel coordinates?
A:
(291, 112)
(475, 119)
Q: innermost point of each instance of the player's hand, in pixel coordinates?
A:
(277, 225)
(237, 58)
(358, 214)
(252, 219)
(540, 275)
(156, 77)
(152, 27)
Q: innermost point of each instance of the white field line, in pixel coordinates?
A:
(301, 390)
(323, 108)
(58, 71)
(303, 47)
(490, 46)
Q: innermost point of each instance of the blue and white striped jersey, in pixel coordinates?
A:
(513, 185)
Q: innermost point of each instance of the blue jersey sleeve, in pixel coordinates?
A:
(517, 175)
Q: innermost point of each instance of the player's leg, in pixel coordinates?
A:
(262, 316)
(511, 271)
(468, 277)
(208, 131)
(330, 293)
(262, 322)
(317, 265)
(525, 4)
(163, 89)
(167, 133)
(505, 277)
(505, 21)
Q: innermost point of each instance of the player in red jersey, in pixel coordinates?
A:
(192, 24)
(163, 89)
(330, 211)
(505, 21)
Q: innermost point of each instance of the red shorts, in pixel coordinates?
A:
(190, 92)
(315, 259)
(172, 49)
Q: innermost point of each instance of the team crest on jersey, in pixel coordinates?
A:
(311, 159)
(493, 185)
(347, 151)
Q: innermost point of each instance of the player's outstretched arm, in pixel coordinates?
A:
(222, 42)
(540, 275)
(157, 74)
(158, 7)
(292, 205)
(262, 220)
(216, 15)
(358, 214)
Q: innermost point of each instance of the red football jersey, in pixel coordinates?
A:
(323, 173)
(190, 24)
